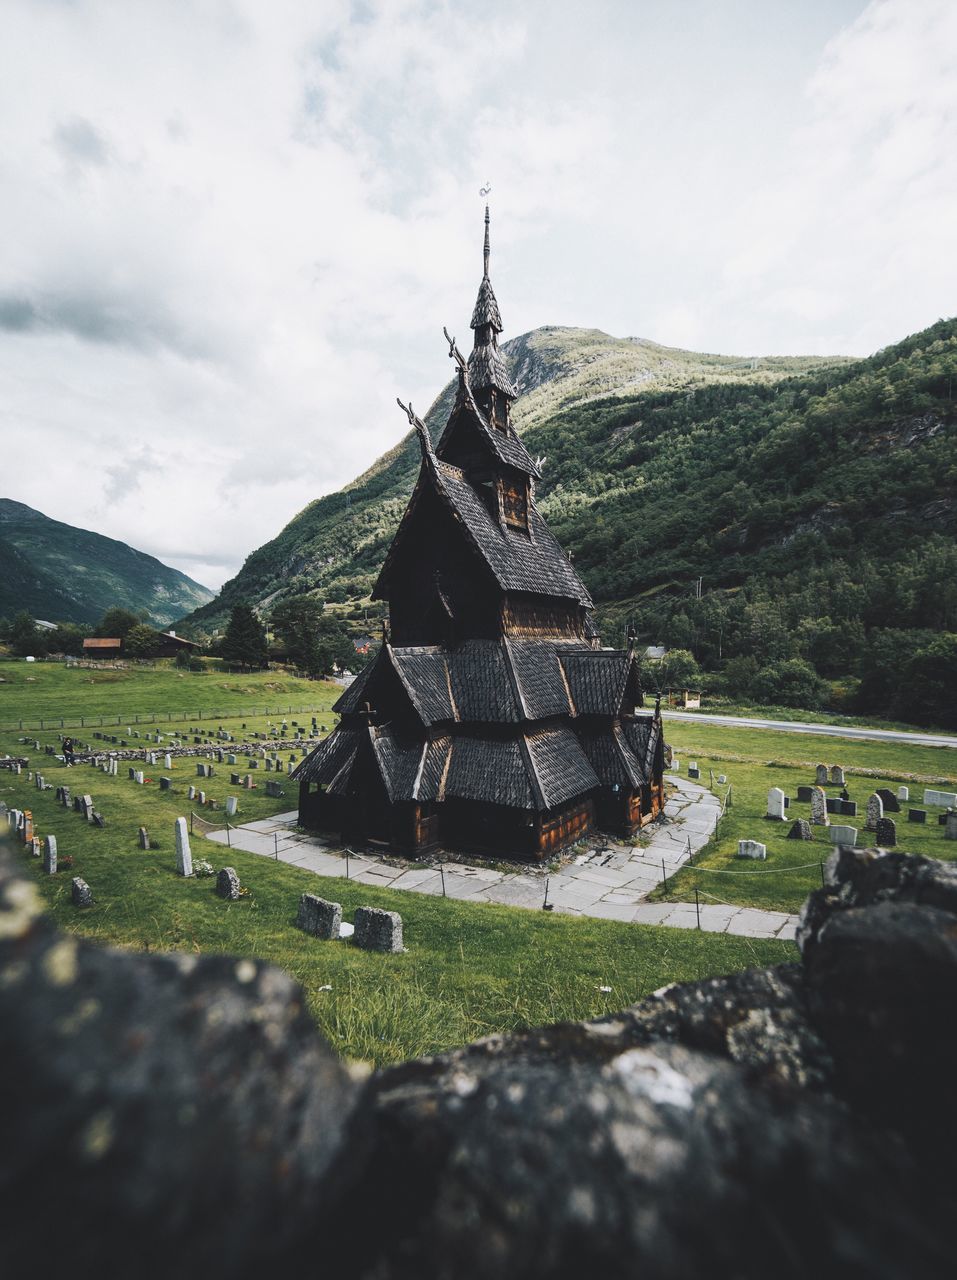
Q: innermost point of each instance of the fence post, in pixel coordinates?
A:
(823, 885)
(664, 875)
(275, 841)
(442, 874)
(229, 844)
(697, 910)
(347, 864)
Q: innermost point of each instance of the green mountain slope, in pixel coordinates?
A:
(63, 574)
(337, 543)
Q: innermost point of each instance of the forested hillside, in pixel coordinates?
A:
(816, 502)
(64, 574)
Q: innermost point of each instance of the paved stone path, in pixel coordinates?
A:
(611, 882)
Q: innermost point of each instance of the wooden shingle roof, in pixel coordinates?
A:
(505, 445)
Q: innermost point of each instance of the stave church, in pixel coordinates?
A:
(491, 720)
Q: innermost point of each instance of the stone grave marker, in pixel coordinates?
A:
(132, 774)
(819, 816)
(886, 833)
(191, 792)
(903, 793)
(843, 835)
(49, 855)
(849, 808)
(822, 775)
(833, 804)
(804, 794)
(232, 758)
(752, 849)
(945, 799)
(873, 811)
(235, 780)
(167, 761)
(184, 856)
(800, 830)
(144, 838)
(200, 769)
(950, 825)
(917, 815)
(98, 819)
(227, 884)
(837, 775)
(888, 800)
(378, 930)
(232, 804)
(140, 777)
(247, 783)
(320, 918)
(81, 893)
(201, 797)
(776, 804)
(165, 784)
(693, 770)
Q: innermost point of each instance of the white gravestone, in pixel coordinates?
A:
(843, 835)
(903, 793)
(776, 804)
(184, 856)
(752, 849)
(49, 855)
(232, 804)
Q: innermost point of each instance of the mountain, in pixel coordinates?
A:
(63, 574)
(792, 522)
(338, 542)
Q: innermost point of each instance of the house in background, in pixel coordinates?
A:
(100, 647)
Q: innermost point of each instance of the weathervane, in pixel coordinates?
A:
(483, 191)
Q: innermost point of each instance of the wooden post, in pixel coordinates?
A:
(664, 875)
(697, 909)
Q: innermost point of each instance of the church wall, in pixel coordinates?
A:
(535, 617)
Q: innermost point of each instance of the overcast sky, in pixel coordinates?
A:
(231, 230)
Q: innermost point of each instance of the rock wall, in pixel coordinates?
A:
(173, 1115)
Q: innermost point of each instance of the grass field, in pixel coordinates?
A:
(49, 691)
(470, 969)
(754, 760)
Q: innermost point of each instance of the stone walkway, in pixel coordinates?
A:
(612, 882)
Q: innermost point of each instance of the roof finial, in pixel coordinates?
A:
(486, 242)
(425, 440)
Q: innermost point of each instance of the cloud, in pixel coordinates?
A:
(229, 236)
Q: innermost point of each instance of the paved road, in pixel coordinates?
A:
(827, 730)
(612, 882)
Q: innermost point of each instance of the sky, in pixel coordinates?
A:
(232, 230)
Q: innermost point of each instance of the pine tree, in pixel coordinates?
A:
(245, 638)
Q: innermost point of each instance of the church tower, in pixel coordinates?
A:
(488, 720)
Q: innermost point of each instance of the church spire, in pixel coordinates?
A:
(488, 374)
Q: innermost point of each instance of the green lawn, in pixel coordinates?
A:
(470, 969)
(49, 691)
(754, 760)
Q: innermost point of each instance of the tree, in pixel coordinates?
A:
(315, 641)
(68, 638)
(117, 623)
(792, 683)
(140, 641)
(928, 689)
(25, 637)
(245, 638)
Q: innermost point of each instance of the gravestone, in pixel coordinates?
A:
(837, 775)
(849, 808)
(693, 770)
(804, 794)
(165, 784)
(873, 811)
(81, 893)
(132, 774)
(903, 793)
(319, 917)
(232, 804)
(36, 847)
(819, 816)
(886, 834)
(144, 838)
(227, 884)
(833, 804)
(139, 777)
(184, 857)
(888, 800)
(776, 800)
(268, 765)
(945, 799)
(27, 827)
(200, 770)
(800, 830)
(201, 797)
(843, 835)
(191, 792)
(274, 790)
(235, 780)
(950, 825)
(247, 783)
(822, 777)
(98, 819)
(167, 761)
(378, 930)
(917, 815)
(49, 855)
(65, 797)
(750, 849)
(232, 758)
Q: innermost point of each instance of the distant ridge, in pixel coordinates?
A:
(64, 574)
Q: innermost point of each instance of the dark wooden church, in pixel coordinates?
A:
(491, 719)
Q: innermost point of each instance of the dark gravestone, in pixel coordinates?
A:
(800, 830)
(165, 784)
(804, 795)
(834, 804)
(941, 819)
(849, 808)
(81, 893)
(227, 884)
(916, 815)
(885, 836)
(319, 917)
(787, 802)
(891, 802)
(378, 930)
(144, 837)
(97, 818)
